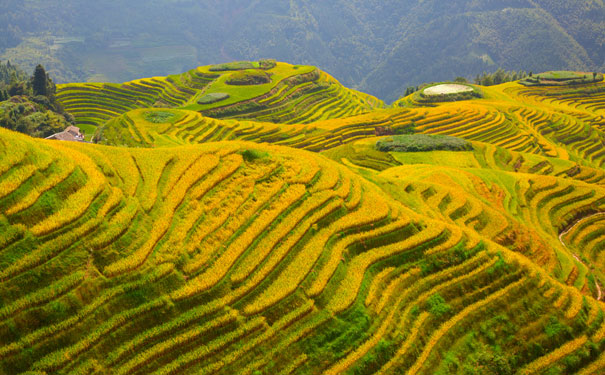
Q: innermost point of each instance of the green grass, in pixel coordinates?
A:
(242, 93)
(158, 117)
(248, 78)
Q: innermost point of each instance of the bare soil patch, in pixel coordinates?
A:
(447, 89)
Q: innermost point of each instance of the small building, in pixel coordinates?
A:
(71, 134)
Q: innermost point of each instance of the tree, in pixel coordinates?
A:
(40, 81)
(409, 91)
(499, 76)
(594, 76)
(17, 88)
(488, 80)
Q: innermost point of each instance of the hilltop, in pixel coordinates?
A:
(288, 94)
(261, 218)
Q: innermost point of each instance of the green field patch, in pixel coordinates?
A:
(562, 78)
(213, 98)
(239, 94)
(422, 142)
(158, 117)
(453, 159)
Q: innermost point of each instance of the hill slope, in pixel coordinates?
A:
(566, 122)
(290, 94)
(215, 242)
(126, 260)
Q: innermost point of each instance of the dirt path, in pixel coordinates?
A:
(596, 283)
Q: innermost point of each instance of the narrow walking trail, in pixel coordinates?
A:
(600, 293)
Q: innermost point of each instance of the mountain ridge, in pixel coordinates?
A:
(376, 47)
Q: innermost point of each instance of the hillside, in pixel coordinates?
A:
(564, 122)
(291, 94)
(281, 224)
(132, 264)
(379, 47)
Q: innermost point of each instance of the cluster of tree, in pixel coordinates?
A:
(9, 74)
(28, 117)
(14, 82)
(28, 104)
(410, 90)
(498, 77)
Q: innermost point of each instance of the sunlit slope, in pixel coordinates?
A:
(292, 94)
(131, 261)
(525, 202)
(543, 121)
(564, 122)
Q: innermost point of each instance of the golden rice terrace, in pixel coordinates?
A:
(260, 218)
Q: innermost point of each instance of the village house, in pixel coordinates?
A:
(71, 134)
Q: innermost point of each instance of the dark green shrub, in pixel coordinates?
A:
(267, 64)
(437, 306)
(249, 77)
(422, 142)
(252, 155)
(236, 65)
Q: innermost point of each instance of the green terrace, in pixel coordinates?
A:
(291, 94)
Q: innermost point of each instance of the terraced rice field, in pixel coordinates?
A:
(510, 116)
(222, 242)
(296, 94)
(129, 262)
